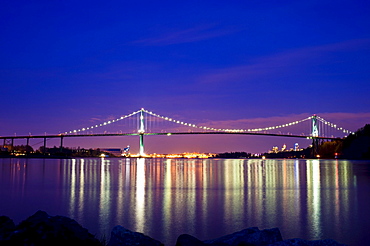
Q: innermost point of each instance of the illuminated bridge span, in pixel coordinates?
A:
(144, 120)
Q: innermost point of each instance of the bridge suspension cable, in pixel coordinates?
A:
(206, 127)
(250, 129)
(333, 125)
(104, 123)
(227, 130)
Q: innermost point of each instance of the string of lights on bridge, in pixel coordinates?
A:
(225, 130)
(103, 124)
(208, 128)
(333, 125)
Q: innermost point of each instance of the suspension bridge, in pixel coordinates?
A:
(145, 119)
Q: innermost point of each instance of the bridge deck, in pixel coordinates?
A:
(164, 133)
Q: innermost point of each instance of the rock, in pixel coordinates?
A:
(292, 242)
(302, 242)
(249, 236)
(7, 226)
(42, 229)
(188, 240)
(325, 242)
(121, 236)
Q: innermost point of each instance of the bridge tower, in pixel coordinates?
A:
(141, 133)
(315, 134)
(315, 127)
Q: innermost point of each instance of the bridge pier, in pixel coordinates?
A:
(9, 142)
(27, 146)
(141, 150)
(61, 144)
(12, 144)
(315, 147)
(44, 150)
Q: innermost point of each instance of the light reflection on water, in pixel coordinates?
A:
(163, 198)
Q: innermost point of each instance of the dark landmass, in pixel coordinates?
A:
(356, 146)
(42, 229)
(55, 152)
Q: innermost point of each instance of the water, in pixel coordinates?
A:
(163, 198)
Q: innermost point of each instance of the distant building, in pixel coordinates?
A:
(296, 147)
(275, 149)
(283, 148)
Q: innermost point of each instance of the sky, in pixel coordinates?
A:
(65, 64)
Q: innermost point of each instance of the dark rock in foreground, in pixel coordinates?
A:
(186, 239)
(42, 229)
(302, 242)
(121, 236)
(249, 236)
(7, 226)
(253, 237)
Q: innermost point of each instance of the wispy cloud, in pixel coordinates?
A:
(289, 61)
(348, 45)
(189, 35)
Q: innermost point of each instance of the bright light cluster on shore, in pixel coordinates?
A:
(183, 155)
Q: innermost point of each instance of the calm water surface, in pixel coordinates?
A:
(163, 198)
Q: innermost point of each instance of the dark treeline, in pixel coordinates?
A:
(305, 153)
(28, 151)
(73, 152)
(355, 147)
(234, 155)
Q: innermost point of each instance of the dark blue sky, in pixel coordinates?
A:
(64, 63)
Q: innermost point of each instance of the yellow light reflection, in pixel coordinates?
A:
(72, 199)
(167, 208)
(206, 173)
(313, 193)
(194, 184)
(140, 194)
(104, 201)
(119, 210)
(81, 203)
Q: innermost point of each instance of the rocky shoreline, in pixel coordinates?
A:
(43, 229)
